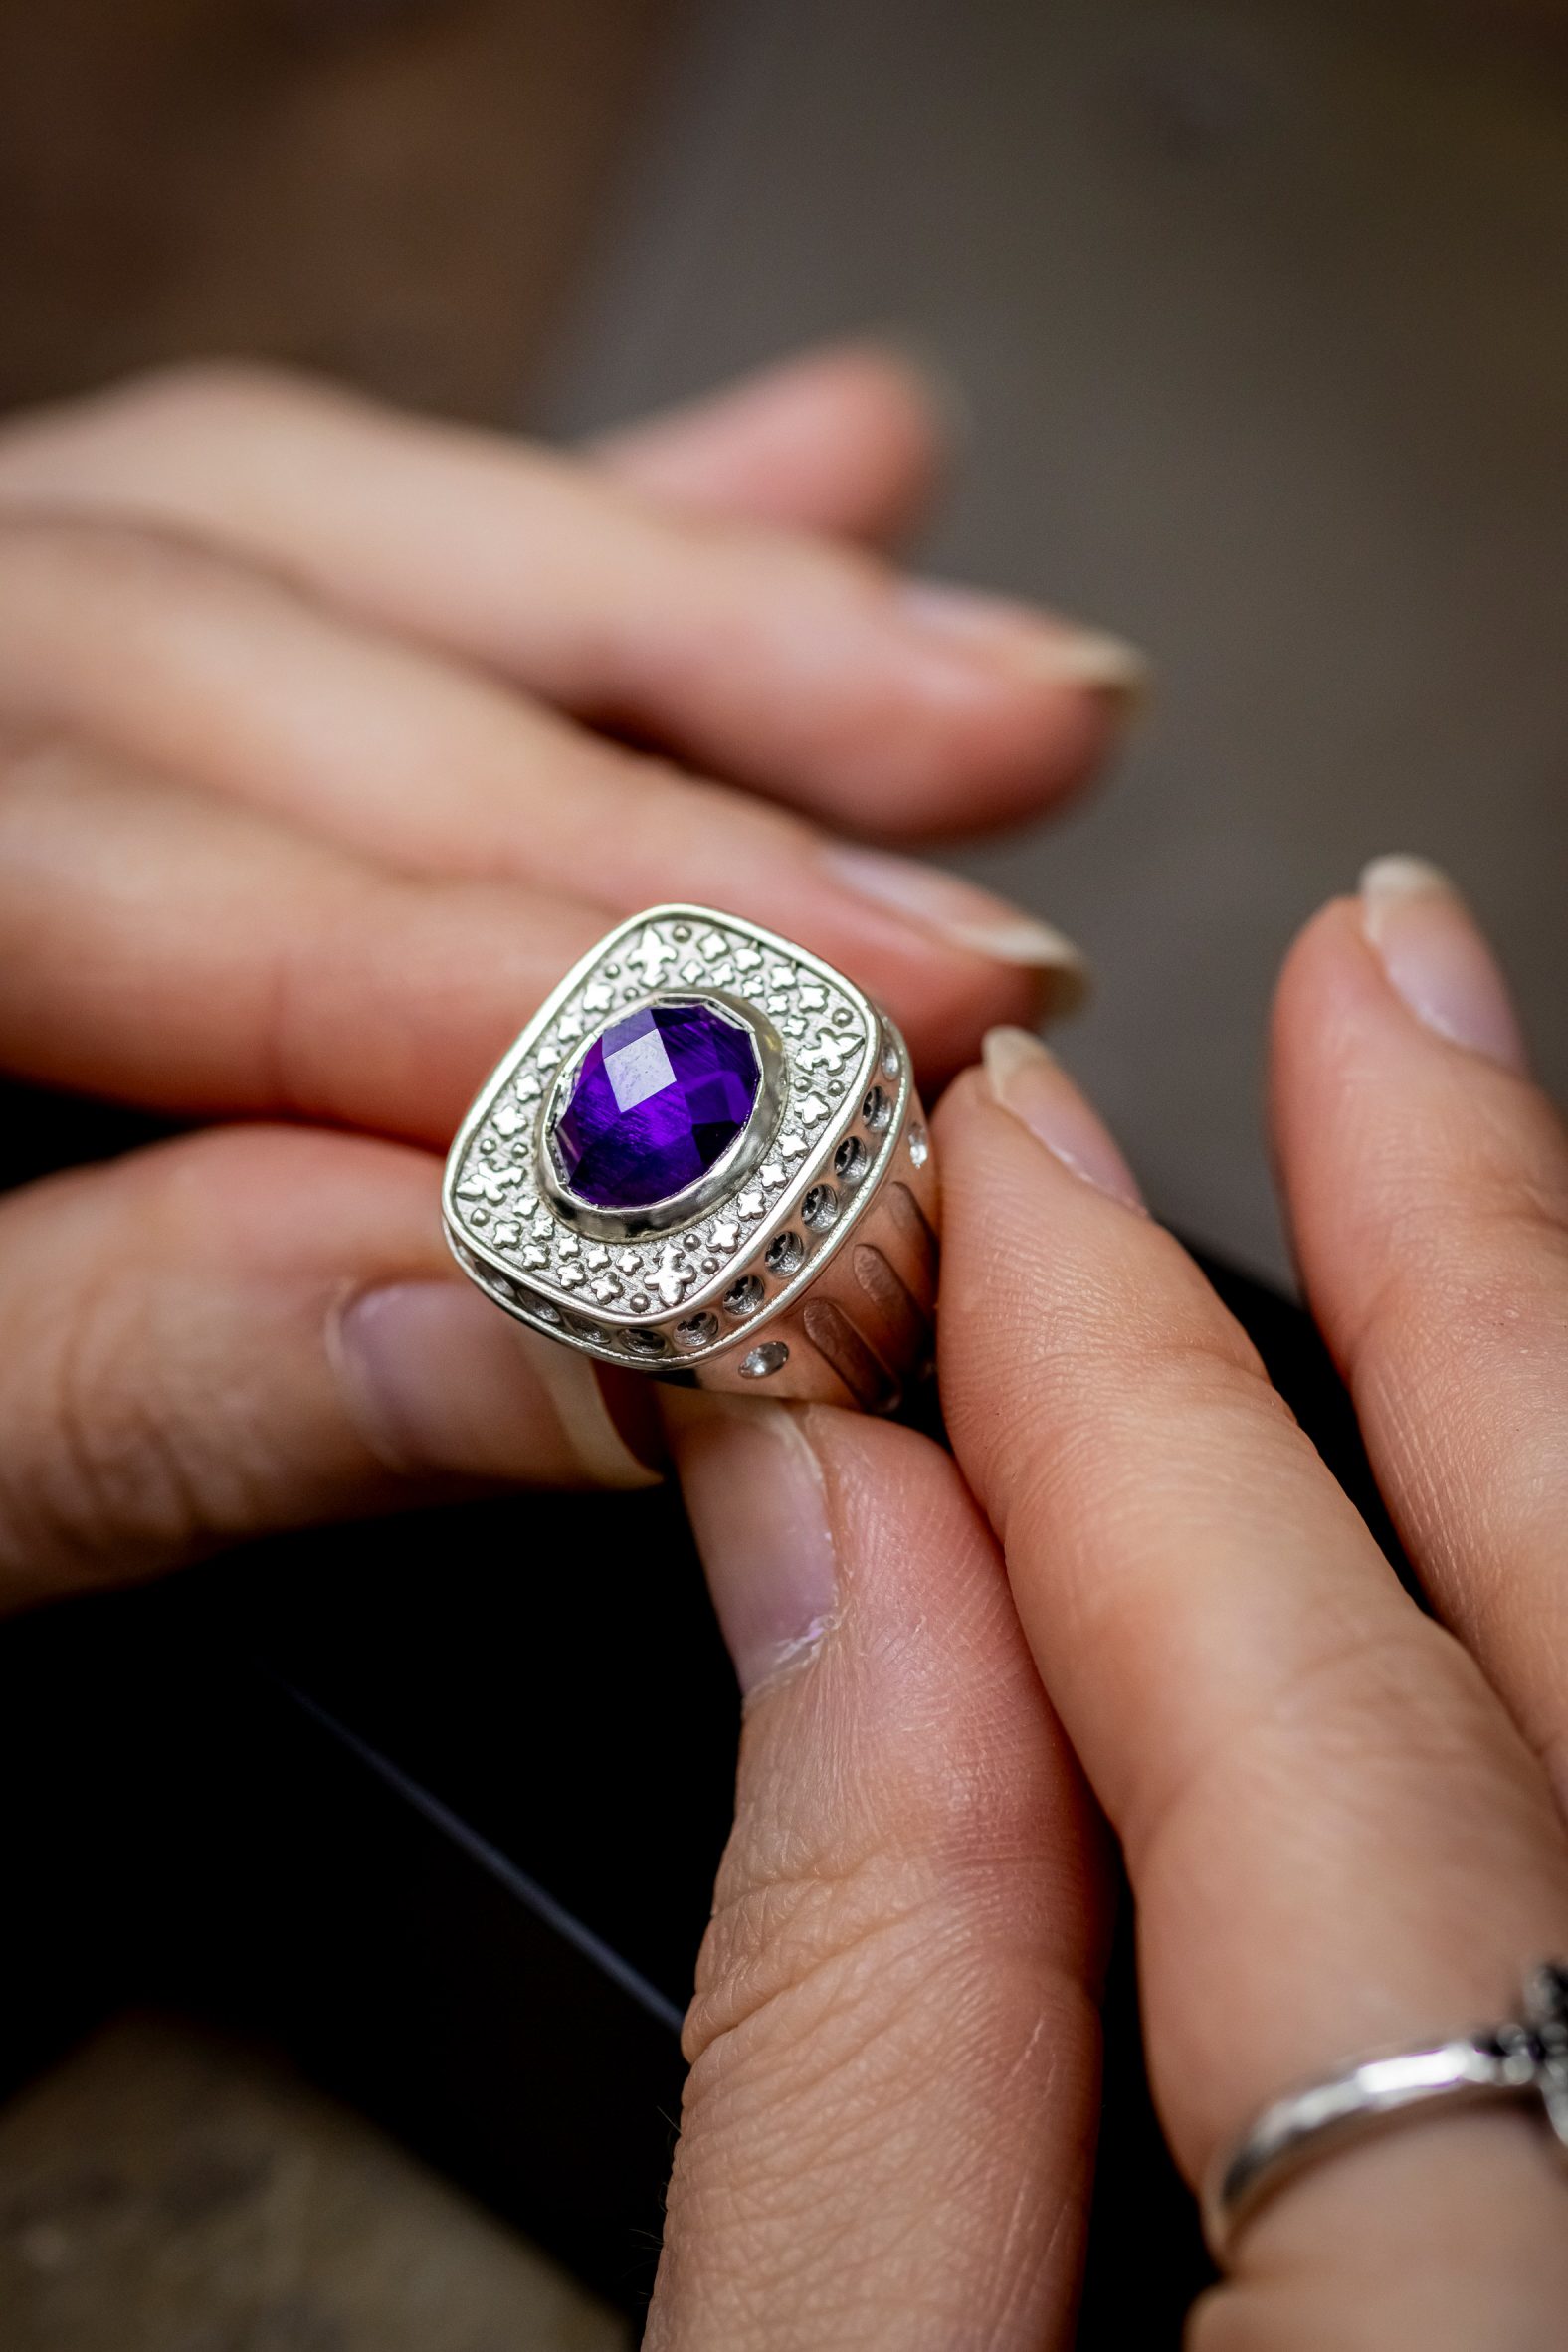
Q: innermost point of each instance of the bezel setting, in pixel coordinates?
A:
(718, 1182)
(675, 1284)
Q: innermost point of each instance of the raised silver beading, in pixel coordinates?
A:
(1524, 2061)
(801, 1264)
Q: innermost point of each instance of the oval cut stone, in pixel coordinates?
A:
(658, 1098)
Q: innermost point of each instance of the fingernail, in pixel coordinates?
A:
(962, 916)
(758, 1506)
(441, 1383)
(1012, 633)
(1026, 1080)
(1437, 958)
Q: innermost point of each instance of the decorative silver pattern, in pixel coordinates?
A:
(679, 1287)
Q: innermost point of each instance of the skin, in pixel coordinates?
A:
(299, 816)
(1339, 1831)
(296, 828)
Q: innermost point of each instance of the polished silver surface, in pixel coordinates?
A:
(1524, 2060)
(802, 1266)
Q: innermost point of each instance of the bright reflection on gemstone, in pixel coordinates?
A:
(657, 1100)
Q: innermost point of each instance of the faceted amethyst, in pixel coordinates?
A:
(657, 1099)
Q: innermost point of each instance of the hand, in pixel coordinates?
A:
(1340, 1827)
(303, 810)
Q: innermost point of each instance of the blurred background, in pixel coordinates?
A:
(1252, 311)
(1253, 316)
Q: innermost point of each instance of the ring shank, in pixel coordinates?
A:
(1512, 2061)
(1472, 2069)
(864, 1329)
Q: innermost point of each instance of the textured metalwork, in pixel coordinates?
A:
(802, 1265)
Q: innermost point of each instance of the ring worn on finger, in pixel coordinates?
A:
(1512, 2061)
(705, 1158)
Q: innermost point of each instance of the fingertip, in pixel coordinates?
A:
(946, 957)
(956, 999)
(1434, 955)
(847, 438)
(1329, 946)
(1400, 969)
(991, 712)
(956, 1119)
(1327, 985)
(889, 413)
(907, 385)
(1021, 1076)
(967, 1092)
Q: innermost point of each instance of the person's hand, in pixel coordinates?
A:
(1342, 1822)
(318, 774)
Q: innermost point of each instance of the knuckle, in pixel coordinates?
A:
(833, 2019)
(29, 762)
(90, 1479)
(54, 550)
(68, 572)
(866, 1863)
(1082, 1393)
(844, 1933)
(1389, 1722)
(1086, 1335)
(104, 1472)
(1479, 1265)
(203, 392)
(814, 2002)
(771, 1936)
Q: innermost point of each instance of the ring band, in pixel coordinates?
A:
(1526, 2061)
(705, 1158)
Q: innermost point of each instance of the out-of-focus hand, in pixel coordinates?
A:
(317, 775)
(1342, 1820)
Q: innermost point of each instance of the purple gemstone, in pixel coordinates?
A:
(657, 1099)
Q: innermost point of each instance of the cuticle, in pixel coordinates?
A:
(793, 1657)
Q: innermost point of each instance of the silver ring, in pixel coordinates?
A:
(705, 1158)
(1526, 2061)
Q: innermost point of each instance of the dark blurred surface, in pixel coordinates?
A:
(433, 1806)
(168, 2189)
(1255, 310)
(1253, 306)
(393, 191)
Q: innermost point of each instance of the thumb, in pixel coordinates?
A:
(248, 1329)
(888, 2125)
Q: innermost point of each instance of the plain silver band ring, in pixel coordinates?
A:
(1526, 2061)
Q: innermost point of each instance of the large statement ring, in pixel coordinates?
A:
(704, 1157)
(1526, 2060)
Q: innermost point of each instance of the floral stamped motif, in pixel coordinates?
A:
(681, 1103)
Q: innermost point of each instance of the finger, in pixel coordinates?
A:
(764, 656)
(1428, 1186)
(169, 949)
(251, 1330)
(845, 440)
(1337, 1838)
(180, 662)
(889, 2122)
